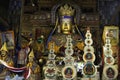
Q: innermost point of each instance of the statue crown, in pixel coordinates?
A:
(66, 10)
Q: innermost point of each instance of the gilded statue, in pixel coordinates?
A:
(65, 25)
(35, 69)
(66, 12)
(6, 58)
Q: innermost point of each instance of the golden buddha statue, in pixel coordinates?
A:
(4, 56)
(65, 25)
(66, 13)
(35, 69)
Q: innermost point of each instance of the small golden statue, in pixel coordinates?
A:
(35, 69)
(4, 56)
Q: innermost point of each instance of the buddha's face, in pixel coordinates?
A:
(3, 53)
(66, 26)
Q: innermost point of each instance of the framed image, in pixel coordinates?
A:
(89, 57)
(113, 33)
(8, 37)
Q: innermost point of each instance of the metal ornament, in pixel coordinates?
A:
(51, 56)
(69, 71)
(69, 46)
(69, 60)
(88, 34)
(89, 57)
(107, 52)
(69, 39)
(88, 49)
(110, 70)
(88, 41)
(108, 45)
(89, 69)
(51, 51)
(107, 41)
(109, 60)
(50, 73)
(69, 51)
(51, 70)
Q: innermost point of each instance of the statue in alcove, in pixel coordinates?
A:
(35, 69)
(65, 25)
(6, 58)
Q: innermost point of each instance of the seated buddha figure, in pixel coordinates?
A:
(65, 25)
(6, 58)
(35, 69)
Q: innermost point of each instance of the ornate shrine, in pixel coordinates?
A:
(59, 40)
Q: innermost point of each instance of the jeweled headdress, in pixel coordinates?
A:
(66, 10)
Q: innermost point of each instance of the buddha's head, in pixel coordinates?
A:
(66, 17)
(66, 26)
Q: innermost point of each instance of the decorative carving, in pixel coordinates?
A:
(110, 70)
